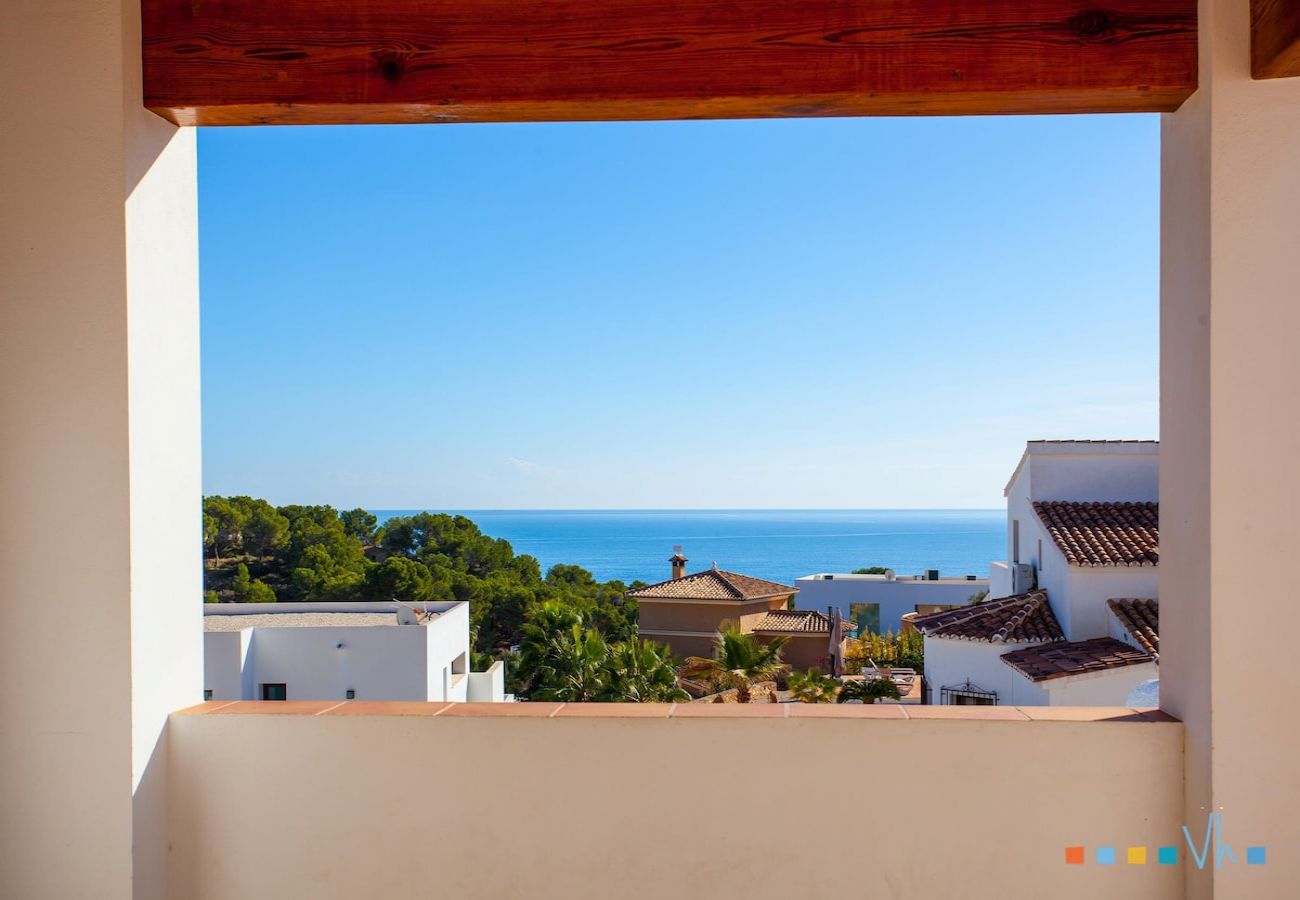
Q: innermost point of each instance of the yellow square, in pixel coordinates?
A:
(1137, 856)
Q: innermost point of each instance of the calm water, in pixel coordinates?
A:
(775, 544)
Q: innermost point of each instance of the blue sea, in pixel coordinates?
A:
(780, 545)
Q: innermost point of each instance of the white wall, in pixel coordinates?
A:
(489, 686)
(1109, 688)
(379, 663)
(99, 399)
(225, 655)
(951, 662)
(1090, 588)
(896, 598)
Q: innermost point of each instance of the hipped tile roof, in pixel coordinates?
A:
(1104, 534)
(1024, 617)
(713, 584)
(1065, 658)
(1141, 619)
(797, 621)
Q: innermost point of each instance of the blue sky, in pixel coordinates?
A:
(858, 313)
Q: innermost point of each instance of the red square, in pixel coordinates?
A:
(1074, 856)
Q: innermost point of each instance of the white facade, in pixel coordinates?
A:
(952, 662)
(894, 596)
(1075, 471)
(362, 654)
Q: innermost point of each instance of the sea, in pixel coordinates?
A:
(777, 544)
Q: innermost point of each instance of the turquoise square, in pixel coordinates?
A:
(1256, 856)
(1167, 856)
(1105, 856)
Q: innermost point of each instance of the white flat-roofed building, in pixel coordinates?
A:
(343, 651)
(879, 602)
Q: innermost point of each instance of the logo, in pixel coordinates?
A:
(1212, 850)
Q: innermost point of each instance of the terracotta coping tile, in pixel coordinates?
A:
(275, 707)
(615, 710)
(679, 711)
(519, 710)
(966, 712)
(387, 708)
(1082, 714)
(846, 711)
(729, 710)
(207, 706)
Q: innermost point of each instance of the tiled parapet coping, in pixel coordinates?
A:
(845, 711)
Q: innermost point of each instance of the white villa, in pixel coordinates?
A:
(343, 651)
(878, 603)
(1072, 616)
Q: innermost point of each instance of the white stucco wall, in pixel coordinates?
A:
(950, 663)
(489, 686)
(1110, 688)
(224, 664)
(1085, 610)
(896, 597)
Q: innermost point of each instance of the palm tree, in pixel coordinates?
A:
(560, 657)
(868, 691)
(813, 687)
(642, 672)
(739, 660)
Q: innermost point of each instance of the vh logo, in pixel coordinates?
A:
(1212, 847)
(1255, 856)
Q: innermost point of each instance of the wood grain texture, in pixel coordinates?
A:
(236, 62)
(1274, 38)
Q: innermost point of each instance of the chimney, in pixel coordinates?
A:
(679, 563)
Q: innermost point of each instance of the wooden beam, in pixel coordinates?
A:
(1274, 38)
(239, 62)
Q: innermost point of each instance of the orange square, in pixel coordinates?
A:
(1074, 856)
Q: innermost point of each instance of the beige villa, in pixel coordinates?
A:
(687, 611)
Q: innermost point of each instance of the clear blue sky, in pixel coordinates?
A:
(800, 313)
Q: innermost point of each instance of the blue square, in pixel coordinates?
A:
(1256, 856)
(1167, 856)
(1105, 856)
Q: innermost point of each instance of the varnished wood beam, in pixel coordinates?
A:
(238, 62)
(1274, 38)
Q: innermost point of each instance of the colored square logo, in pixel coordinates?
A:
(1105, 856)
(1074, 856)
(1167, 856)
(1137, 856)
(1256, 856)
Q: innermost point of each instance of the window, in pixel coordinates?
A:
(274, 692)
(207, 694)
(866, 616)
(1015, 540)
(971, 700)
(352, 694)
(1038, 560)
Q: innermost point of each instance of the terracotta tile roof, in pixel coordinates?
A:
(797, 621)
(1141, 619)
(1024, 617)
(1066, 658)
(1104, 534)
(713, 584)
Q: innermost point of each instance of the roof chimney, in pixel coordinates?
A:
(679, 563)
